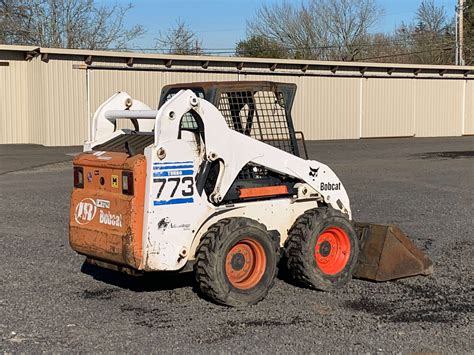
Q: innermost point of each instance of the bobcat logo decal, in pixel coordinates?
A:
(313, 172)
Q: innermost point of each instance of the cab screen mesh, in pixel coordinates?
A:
(258, 114)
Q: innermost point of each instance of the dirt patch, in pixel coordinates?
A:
(446, 155)
(101, 294)
(427, 303)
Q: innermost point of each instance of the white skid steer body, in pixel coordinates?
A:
(177, 210)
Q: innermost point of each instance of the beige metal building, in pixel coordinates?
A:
(48, 95)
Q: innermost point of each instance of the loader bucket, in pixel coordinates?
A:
(387, 253)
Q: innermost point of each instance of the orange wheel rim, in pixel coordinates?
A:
(245, 264)
(332, 250)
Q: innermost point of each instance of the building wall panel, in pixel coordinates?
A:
(38, 120)
(388, 107)
(14, 120)
(469, 107)
(438, 108)
(62, 92)
(324, 107)
(144, 85)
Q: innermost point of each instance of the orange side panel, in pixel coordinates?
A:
(263, 191)
(105, 223)
(139, 178)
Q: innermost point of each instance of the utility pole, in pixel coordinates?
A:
(456, 31)
(461, 31)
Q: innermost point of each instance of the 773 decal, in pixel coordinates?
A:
(174, 183)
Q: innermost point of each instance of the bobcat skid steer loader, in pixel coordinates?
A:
(213, 183)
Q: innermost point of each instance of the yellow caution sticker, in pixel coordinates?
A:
(115, 181)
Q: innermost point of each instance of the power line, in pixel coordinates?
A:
(204, 31)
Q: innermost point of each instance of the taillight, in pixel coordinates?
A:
(127, 183)
(78, 177)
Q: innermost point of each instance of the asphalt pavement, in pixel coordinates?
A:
(50, 302)
(16, 157)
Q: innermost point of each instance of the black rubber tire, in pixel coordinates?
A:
(301, 242)
(211, 256)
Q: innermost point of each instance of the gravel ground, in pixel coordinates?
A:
(423, 185)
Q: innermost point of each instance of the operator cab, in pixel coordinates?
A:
(258, 109)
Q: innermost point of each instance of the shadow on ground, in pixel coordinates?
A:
(149, 282)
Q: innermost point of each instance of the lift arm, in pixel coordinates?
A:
(234, 150)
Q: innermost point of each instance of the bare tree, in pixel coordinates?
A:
(320, 29)
(179, 39)
(293, 27)
(348, 23)
(430, 38)
(431, 18)
(65, 23)
(468, 14)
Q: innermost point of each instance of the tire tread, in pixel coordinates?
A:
(297, 243)
(207, 254)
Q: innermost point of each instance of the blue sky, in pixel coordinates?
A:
(221, 23)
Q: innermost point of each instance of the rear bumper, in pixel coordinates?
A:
(114, 267)
(117, 248)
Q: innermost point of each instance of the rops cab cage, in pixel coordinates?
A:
(259, 109)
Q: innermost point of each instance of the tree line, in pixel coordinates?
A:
(314, 29)
(343, 30)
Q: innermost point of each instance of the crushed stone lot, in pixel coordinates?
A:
(50, 301)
